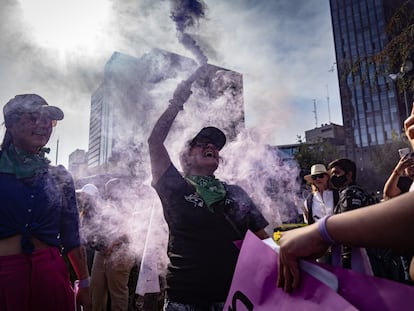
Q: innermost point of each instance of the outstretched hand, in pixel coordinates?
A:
(296, 244)
(183, 90)
(181, 93)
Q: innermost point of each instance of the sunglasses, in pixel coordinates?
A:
(204, 145)
(321, 175)
(34, 117)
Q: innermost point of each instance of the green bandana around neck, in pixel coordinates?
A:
(22, 163)
(209, 188)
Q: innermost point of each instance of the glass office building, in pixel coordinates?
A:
(372, 109)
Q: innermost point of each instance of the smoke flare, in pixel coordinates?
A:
(185, 14)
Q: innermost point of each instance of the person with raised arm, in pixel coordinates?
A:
(204, 215)
(401, 177)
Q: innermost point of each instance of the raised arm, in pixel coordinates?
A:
(160, 159)
(391, 188)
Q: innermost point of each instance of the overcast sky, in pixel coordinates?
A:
(283, 48)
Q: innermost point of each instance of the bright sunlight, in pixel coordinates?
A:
(66, 25)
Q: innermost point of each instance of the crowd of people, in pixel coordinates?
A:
(107, 242)
(361, 227)
(334, 192)
(42, 217)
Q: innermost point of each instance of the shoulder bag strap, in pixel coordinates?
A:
(309, 201)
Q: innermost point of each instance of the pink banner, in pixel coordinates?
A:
(254, 287)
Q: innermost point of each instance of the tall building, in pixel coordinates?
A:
(372, 109)
(78, 163)
(133, 94)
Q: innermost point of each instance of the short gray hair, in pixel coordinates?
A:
(184, 156)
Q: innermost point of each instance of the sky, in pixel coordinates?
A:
(283, 48)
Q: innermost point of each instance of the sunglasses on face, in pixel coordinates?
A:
(204, 145)
(35, 117)
(321, 175)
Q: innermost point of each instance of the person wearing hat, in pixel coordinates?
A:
(204, 215)
(323, 198)
(39, 218)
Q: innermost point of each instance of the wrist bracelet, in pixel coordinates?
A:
(85, 282)
(396, 172)
(324, 231)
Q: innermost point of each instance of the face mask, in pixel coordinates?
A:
(338, 181)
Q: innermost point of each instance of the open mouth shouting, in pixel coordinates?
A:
(210, 154)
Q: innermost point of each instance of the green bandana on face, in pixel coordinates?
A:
(23, 164)
(209, 188)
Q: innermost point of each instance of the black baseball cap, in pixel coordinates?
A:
(210, 134)
(31, 103)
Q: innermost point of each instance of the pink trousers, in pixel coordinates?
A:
(37, 281)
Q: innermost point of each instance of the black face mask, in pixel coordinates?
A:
(338, 181)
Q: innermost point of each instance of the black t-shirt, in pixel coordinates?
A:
(404, 183)
(200, 247)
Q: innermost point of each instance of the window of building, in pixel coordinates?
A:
(380, 136)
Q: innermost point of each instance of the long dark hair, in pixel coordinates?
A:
(7, 140)
(8, 121)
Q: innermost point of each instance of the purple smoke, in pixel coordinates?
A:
(185, 14)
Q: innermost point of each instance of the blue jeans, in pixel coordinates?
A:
(177, 306)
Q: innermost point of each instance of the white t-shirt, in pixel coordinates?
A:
(322, 205)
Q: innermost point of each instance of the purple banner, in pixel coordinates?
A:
(254, 287)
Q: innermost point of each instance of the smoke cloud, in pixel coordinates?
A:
(283, 49)
(185, 14)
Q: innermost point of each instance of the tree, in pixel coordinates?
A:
(323, 151)
(381, 161)
(394, 56)
(399, 50)
(377, 167)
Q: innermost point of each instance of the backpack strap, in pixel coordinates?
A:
(335, 197)
(309, 201)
